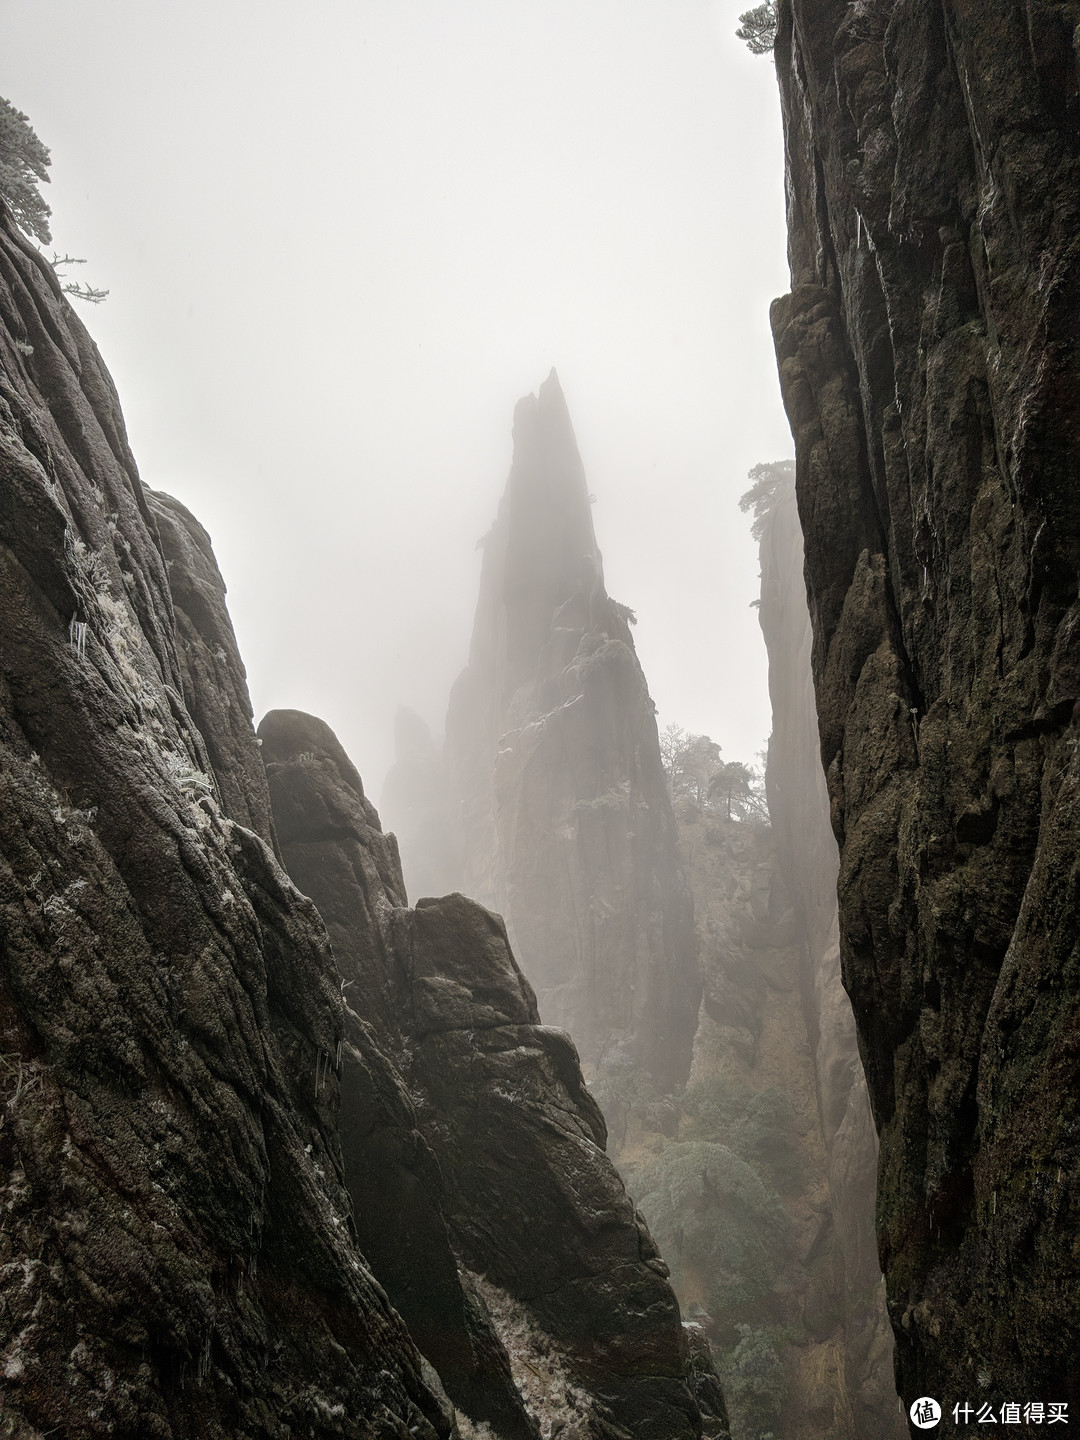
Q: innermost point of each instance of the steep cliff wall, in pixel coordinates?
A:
(928, 361)
(806, 850)
(213, 675)
(176, 1254)
(196, 1128)
(534, 1208)
(563, 820)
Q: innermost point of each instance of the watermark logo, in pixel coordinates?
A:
(925, 1413)
(1010, 1412)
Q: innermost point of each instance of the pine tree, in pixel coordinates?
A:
(773, 480)
(758, 28)
(24, 163)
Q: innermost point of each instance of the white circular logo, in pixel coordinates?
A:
(925, 1413)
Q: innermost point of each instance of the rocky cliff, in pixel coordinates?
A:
(806, 852)
(177, 1255)
(760, 1178)
(561, 811)
(928, 360)
(548, 1239)
(223, 1213)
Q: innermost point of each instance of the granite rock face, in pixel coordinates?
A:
(928, 360)
(336, 851)
(177, 1255)
(213, 675)
(533, 1207)
(563, 822)
(806, 851)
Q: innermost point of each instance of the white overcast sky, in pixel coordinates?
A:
(342, 237)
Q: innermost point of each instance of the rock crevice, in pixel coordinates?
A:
(531, 1202)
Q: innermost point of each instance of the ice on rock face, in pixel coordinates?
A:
(541, 1367)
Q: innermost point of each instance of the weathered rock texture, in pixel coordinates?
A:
(336, 852)
(213, 675)
(799, 811)
(532, 1203)
(176, 1248)
(563, 820)
(928, 360)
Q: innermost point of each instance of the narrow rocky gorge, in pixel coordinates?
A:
(775, 1242)
(928, 360)
(610, 1132)
(807, 859)
(534, 1209)
(743, 1125)
(244, 1193)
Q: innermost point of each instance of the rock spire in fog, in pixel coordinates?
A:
(196, 1128)
(560, 808)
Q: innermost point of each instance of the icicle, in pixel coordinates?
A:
(323, 1060)
(858, 230)
(77, 636)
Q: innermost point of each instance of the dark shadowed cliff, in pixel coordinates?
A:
(176, 1254)
(232, 1203)
(562, 817)
(928, 359)
(551, 1246)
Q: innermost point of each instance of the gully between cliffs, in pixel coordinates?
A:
(192, 1246)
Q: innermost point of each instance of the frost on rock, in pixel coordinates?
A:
(540, 1367)
(470, 1430)
(191, 780)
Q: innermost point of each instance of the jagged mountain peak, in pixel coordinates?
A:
(202, 1115)
(544, 414)
(542, 548)
(553, 767)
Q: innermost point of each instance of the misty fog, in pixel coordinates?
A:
(342, 240)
